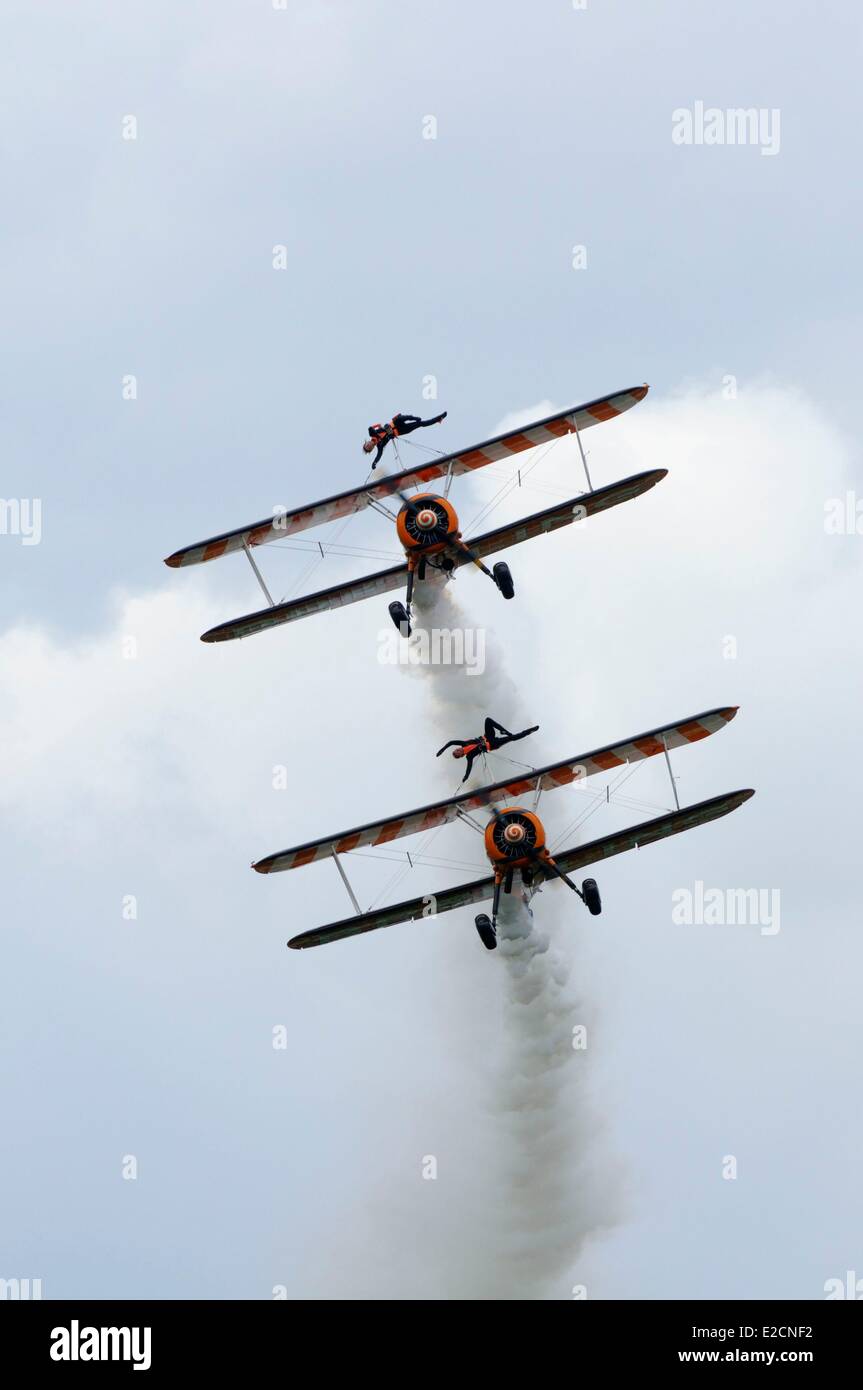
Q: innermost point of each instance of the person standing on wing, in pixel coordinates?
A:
(381, 435)
(495, 736)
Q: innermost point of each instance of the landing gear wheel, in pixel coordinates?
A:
(487, 933)
(399, 615)
(503, 578)
(592, 900)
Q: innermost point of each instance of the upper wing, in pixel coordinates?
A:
(555, 775)
(561, 514)
(433, 904)
(288, 523)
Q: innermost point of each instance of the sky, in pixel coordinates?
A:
(165, 379)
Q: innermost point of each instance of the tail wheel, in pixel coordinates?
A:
(503, 578)
(592, 900)
(514, 835)
(486, 932)
(399, 615)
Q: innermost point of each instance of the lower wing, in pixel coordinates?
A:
(564, 513)
(339, 596)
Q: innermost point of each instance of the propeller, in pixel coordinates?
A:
(427, 521)
(514, 835)
(524, 845)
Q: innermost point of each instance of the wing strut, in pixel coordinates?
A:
(379, 507)
(260, 578)
(357, 909)
(577, 432)
(670, 773)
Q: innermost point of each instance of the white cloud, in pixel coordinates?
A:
(153, 776)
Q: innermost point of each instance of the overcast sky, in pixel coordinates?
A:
(139, 763)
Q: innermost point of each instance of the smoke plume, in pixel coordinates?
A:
(547, 1189)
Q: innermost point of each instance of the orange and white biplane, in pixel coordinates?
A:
(514, 836)
(427, 523)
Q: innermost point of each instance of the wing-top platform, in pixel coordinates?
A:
(341, 504)
(664, 739)
(429, 906)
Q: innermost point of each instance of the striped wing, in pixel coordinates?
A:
(339, 596)
(288, 523)
(617, 843)
(429, 906)
(561, 514)
(556, 775)
(564, 513)
(651, 830)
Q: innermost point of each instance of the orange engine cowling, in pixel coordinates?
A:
(512, 834)
(426, 521)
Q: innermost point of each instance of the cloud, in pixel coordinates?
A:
(151, 774)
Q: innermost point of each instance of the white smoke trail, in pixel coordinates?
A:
(548, 1189)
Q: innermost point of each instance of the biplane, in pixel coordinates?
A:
(427, 523)
(514, 837)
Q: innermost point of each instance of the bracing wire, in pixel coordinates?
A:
(426, 448)
(358, 552)
(397, 877)
(600, 800)
(424, 859)
(528, 767)
(510, 486)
